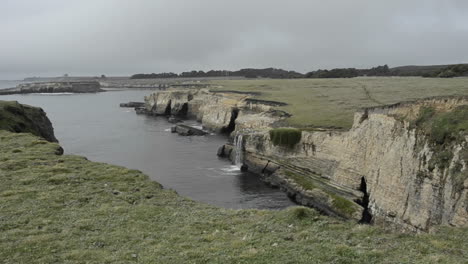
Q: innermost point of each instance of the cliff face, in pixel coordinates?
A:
(390, 168)
(55, 87)
(21, 118)
(400, 167)
(221, 112)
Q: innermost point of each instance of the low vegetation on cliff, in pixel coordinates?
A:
(66, 209)
(333, 102)
(286, 137)
(445, 129)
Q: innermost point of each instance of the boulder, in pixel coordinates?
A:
(185, 130)
(141, 111)
(133, 104)
(174, 120)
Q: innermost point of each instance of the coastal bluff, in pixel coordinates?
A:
(402, 166)
(55, 87)
(67, 209)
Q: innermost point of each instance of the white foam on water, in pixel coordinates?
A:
(55, 93)
(232, 168)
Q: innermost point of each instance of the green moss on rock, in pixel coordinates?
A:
(286, 137)
(20, 118)
(339, 203)
(443, 130)
(304, 182)
(343, 205)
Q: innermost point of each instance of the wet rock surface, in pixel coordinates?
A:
(185, 130)
(133, 104)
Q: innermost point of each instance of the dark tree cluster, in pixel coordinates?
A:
(334, 73)
(268, 73)
(376, 71)
(154, 75)
(452, 71)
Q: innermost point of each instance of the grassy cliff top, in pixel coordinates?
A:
(332, 102)
(66, 209)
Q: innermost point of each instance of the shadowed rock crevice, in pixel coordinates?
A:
(232, 124)
(167, 112)
(183, 110)
(366, 215)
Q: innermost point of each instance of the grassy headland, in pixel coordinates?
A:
(332, 102)
(66, 209)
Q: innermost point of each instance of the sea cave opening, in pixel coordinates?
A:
(232, 123)
(366, 214)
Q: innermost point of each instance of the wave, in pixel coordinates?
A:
(232, 168)
(55, 93)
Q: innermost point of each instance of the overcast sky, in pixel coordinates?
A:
(122, 37)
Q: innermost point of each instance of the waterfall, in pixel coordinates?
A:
(238, 149)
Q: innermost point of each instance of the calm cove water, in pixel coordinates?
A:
(93, 125)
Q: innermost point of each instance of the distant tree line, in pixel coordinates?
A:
(247, 73)
(442, 71)
(334, 73)
(350, 72)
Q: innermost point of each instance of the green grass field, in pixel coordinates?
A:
(66, 209)
(332, 102)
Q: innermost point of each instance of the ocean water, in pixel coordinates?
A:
(93, 125)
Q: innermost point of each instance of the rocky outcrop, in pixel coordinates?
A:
(55, 87)
(133, 104)
(385, 170)
(185, 130)
(22, 118)
(220, 112)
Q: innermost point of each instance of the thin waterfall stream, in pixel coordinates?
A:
(238, 140)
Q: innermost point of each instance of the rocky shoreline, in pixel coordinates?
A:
(369, 173)
(55, 87)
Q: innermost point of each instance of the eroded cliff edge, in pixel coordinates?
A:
(394, 166)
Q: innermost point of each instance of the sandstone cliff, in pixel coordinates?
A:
(22, 118)
(394, 166)
(55, 87)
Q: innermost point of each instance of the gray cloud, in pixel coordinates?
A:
(91, 37)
